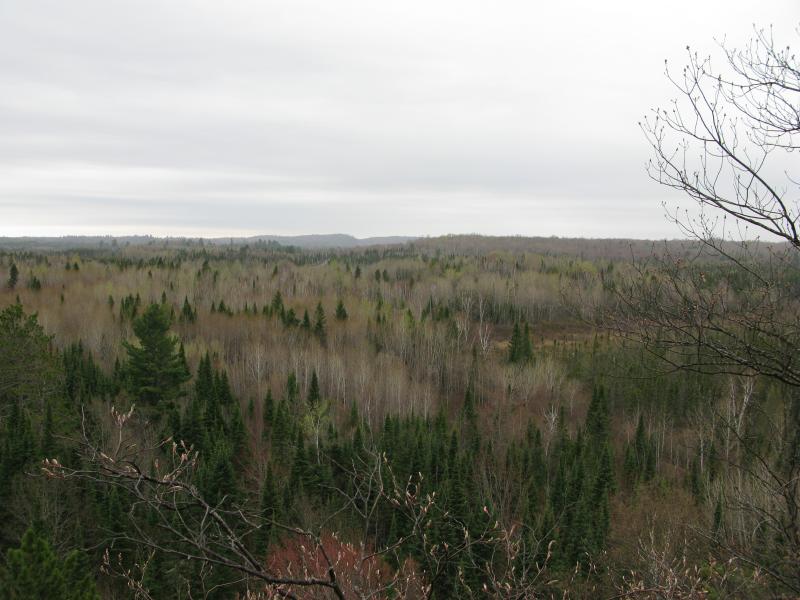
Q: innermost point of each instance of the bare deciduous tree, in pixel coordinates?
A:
(729, 303)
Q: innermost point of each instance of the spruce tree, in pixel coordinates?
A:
(188, 314)
(13, 276)
(515, 345)
(277, 303)
(292, 389)
(34, 572)
(313, 391)
(267, 416)
(155, 368)
(155, 579)
(270, 507)
(341, 312)
(526, 349)
(319, 322)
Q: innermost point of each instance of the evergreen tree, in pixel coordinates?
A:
(155, 579)
(341, 313)
(155, 368)
(13, 276)
(319, 322)
(277, 303)
(267, 415)
(313, 391)
(216, 478)
(34, 572)
(292, 389)
(26, 364)
(527, 348)
(270, 507)
(188, 314)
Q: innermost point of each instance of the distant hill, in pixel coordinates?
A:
(333, 240)
(584, 248)
(314, 241)
(465, 244)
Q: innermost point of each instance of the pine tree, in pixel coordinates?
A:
(34, 572)
(313, 391)
(155, 368)
(188, 314)
(13, 276)
(270, 507)
(216, 478)
(299, 473)
(341, 313)
(277, 303)
(155, 579)
(236, 430)
(526, 350)
(267, 415)
(319, 323)
(597, 419)
(292, 390)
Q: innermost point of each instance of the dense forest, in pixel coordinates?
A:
(180, 420)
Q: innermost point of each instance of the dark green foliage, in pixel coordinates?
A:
(290, 319)
(269, 511)
(13, 276)
(319, 323)
(215, 478)
(277, 303)
(519, 347)
(28, 370)
(18, 449)
(267, 415)
(156, 579)
(155, 369)
(34, 572)
(640, 456)
(292, 390)
(313, 391)
(188, 314)
(129, 307)
(341, 312)
(83, 378)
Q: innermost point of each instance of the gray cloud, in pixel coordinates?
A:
(367, 117)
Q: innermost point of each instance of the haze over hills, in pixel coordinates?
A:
(333, 240)
(462, 244)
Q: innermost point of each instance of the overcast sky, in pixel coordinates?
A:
(366, 117)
